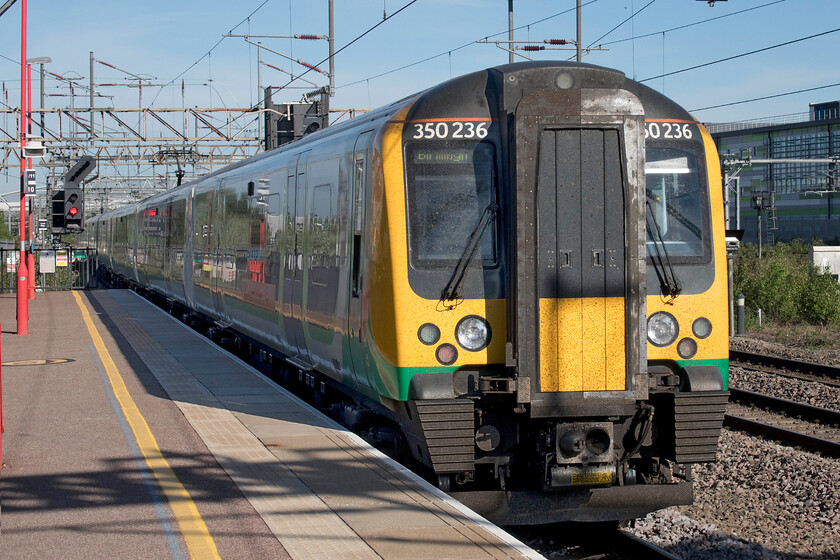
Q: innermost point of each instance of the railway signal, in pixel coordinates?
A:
(79, 171)
(69, 208)
(74, 208)
(57, 226)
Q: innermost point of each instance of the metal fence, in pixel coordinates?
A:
(69, 268)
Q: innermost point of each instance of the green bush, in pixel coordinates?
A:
(5, 234)
(786, 286)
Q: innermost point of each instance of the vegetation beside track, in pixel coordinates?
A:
(800, 303)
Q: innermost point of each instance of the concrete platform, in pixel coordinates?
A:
(228, 465)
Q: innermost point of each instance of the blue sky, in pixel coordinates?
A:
(169, 42)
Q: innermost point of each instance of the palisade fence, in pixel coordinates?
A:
(67, 268)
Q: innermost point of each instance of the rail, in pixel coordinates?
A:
(831, 373)
(777, 433)
(636, 547)
(793, 423)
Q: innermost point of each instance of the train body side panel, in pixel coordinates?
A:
(713, 350)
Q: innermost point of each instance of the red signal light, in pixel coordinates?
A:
(73, 211)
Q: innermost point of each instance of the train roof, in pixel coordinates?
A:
(509, 82)
(468, 94)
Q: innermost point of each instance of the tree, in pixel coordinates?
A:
(4, 228)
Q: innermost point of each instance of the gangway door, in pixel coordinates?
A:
(577, 305)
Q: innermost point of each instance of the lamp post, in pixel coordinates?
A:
(41, 60)
(22, 272)
(31, 256)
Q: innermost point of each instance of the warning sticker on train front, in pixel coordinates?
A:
(592, 477)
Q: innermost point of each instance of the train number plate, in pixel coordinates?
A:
(445, 130)
(670, 130)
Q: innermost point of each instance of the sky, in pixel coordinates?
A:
(424, 42)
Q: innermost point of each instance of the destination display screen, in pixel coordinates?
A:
(450, 156)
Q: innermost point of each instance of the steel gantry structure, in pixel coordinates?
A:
(139, 150)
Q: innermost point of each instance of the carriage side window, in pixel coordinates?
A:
(679, 201)
(449, 187)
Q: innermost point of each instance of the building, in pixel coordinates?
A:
(789, 198)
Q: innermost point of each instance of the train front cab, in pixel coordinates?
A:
(603, 243)
(563, 413)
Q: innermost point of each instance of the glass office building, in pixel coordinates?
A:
(791, 199)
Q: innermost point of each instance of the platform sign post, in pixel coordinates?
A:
(29, 186)
(47, 261)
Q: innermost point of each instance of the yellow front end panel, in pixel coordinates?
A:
(582, 345)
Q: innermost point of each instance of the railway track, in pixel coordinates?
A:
(793, 423)
(635, 547)
(807, 371)
(587, 541)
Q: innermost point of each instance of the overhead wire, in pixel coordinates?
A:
(465, 45)
(305, 72)
(764, 97)
(734, 57)
(359, 37)
(632, 16)
(686, 25)
(207, 55)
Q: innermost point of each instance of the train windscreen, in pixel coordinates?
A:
(679, 202)
(450, 185)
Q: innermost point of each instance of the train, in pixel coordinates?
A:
(517, 277)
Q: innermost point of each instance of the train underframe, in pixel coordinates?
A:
(512, 468)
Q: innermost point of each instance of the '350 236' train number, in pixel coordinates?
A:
(450, 130)
(669, 130)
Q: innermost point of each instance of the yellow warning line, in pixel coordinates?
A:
(196, 535)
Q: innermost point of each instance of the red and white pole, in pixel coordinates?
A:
(22, 273)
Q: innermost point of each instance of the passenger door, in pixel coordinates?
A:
(218, 251)
(293, 268)
(355, 316)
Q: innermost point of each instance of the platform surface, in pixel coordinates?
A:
(151, 442)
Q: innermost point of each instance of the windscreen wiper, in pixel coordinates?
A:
(661, 261)
(452, 289)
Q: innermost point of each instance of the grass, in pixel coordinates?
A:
(810, 337)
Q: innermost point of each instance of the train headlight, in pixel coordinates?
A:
(702, 327)
(473, 333)
(663, 329)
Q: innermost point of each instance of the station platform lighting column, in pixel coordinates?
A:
(22, 272)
